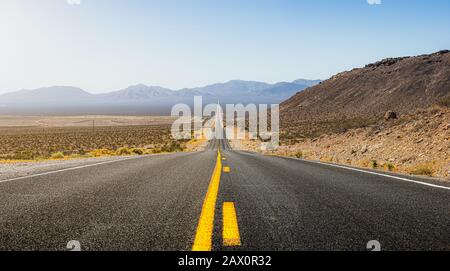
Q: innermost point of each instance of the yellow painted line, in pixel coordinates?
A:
(230, 233)
(203, 236)
(226, 169)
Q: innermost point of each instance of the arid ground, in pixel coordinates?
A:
(36, 138)
(416, 143)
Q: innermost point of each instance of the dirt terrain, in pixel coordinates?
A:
(35, 138)
(82, 121)
(417, 144)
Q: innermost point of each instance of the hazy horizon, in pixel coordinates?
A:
(152, 85)
(106, 45)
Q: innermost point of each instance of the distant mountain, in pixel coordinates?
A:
(138, 92)
(230, 88)
(142, 99)
(306, 82)
(238, 91)
(46, 95)
(284, 89)
(399, 84)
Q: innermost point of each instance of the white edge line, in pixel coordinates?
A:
(70, 169)
(370, 172)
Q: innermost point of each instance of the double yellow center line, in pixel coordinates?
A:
(205, 228)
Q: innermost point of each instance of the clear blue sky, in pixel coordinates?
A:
(104, 45)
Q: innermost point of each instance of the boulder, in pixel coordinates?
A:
(390, 115)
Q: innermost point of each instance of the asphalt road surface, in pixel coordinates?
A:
(155, 203)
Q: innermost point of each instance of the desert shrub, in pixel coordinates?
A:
(138, 151)
(299, 154)
(435, 109)
(31, 143)
(147, 151)
(422, 170)
(77, 156)
(172, 147)
(100, 152)
(57, 155)
(157, 150)
(389, 166)
(24, 155)
(445, 102)
(420, 111)
(123, 151)
(374, 164)
(166, 148)
(327, 159)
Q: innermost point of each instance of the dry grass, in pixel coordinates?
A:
(389, 167)
(83, 121)
(425, 169)
(57, 155)
(36, 143)
(445, 102)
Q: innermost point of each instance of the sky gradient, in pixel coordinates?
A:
(106, 45)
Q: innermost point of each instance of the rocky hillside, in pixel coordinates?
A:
(392, 115)
(398, 84)
(416, 143)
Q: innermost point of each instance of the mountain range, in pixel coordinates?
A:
(401, 84)
(142, 99)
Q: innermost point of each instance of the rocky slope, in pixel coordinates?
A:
(416, 143)
(398, 84)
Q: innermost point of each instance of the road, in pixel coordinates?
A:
(157, 202)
